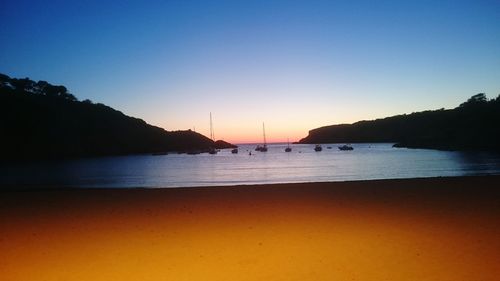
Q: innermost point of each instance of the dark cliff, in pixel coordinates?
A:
(471, 126)
(40, 120)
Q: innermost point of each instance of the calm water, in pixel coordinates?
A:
(303, 164)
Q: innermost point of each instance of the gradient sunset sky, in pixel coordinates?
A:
(296, 65)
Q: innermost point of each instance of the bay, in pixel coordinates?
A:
(303, 164)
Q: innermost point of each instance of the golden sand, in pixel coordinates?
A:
(416, 229)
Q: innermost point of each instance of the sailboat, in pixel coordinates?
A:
(262, 148)
(212, 150)
(288, 148)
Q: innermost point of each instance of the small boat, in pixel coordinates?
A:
(234, 151)
(328, 147)
(345, 147)
(288, 148)
(318, 148)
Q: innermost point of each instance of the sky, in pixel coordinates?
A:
(295, 65)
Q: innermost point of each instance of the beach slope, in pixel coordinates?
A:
(408, 229)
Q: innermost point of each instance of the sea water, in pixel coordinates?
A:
(303, 164)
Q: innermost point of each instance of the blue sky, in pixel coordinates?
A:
(296, 65)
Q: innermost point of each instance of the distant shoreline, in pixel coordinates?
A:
(41, 188)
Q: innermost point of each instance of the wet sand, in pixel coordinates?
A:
(411, 229)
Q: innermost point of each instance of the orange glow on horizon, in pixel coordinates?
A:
(230, 126)
(241, 134)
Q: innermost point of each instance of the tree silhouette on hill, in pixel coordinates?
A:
(41, 120)
(473, 125)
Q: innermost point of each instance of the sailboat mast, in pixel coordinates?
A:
(211, 128)
(264, 132)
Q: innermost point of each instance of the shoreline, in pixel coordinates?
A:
(47, 187)
(399, 229)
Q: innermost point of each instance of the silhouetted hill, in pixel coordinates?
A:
(474, 125)
(40, 120)
(220, 144)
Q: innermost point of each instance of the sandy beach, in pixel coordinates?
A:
(408, 229)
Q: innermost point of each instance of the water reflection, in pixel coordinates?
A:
(479, 163)
(303, 164)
